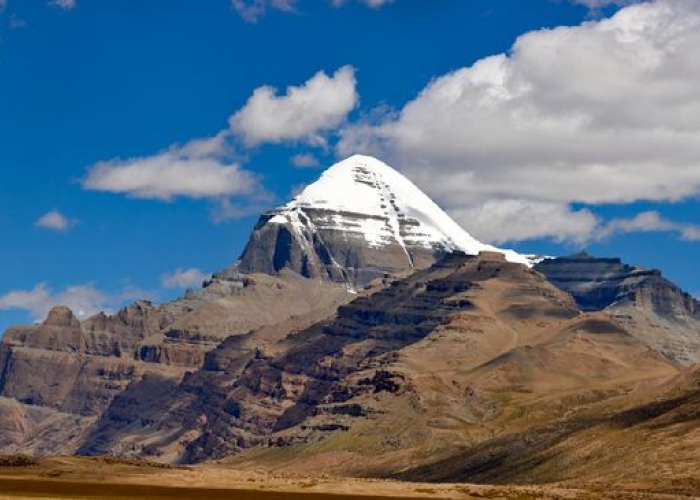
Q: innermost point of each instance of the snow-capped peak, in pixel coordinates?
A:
(364, 195)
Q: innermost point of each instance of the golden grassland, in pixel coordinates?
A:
(111, 479)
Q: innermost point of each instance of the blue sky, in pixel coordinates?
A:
(92, 91)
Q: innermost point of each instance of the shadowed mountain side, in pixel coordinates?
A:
(36, 430)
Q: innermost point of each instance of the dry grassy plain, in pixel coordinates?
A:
(107, 479)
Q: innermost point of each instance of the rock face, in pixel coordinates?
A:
(157, 416)
(359, 221)
(652, 308)
(598, 283)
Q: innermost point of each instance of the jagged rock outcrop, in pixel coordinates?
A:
(73, 370)
(157, 416)
(650, 306)
(598, 283)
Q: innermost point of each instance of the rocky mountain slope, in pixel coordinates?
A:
(469, 349)
(58, 377)
(360, 220)
(647, 304)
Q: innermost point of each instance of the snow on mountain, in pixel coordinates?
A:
(365, 197)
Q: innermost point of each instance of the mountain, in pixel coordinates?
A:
(650, 306)
(411, 371)
(360, 220)
(362, 332)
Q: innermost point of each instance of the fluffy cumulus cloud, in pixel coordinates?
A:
(302, 113)
(204, 168)
(647, 222)
(499, 221)
(196, 170)
(84, 300)
(184, 278)
(604, 112)
(55, 221)
(165, 176)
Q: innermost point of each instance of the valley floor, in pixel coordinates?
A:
(108, 479)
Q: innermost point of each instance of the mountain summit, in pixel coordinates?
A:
(360, 220)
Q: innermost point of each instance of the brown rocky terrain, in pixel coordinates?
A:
(473, 357)
(473, 370)
(57, 378)
(466, 354)
(67, 385)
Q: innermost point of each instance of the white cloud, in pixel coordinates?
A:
(605, 112)
(252, 10)
(599, 4)
(647, 222)
(303, 113)
(196, 170)
(500, 221)
(203, 168)
(305, 160)
(184, 278)
(55, 221)
(64, 4)
(83, 300)
(375, 4)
